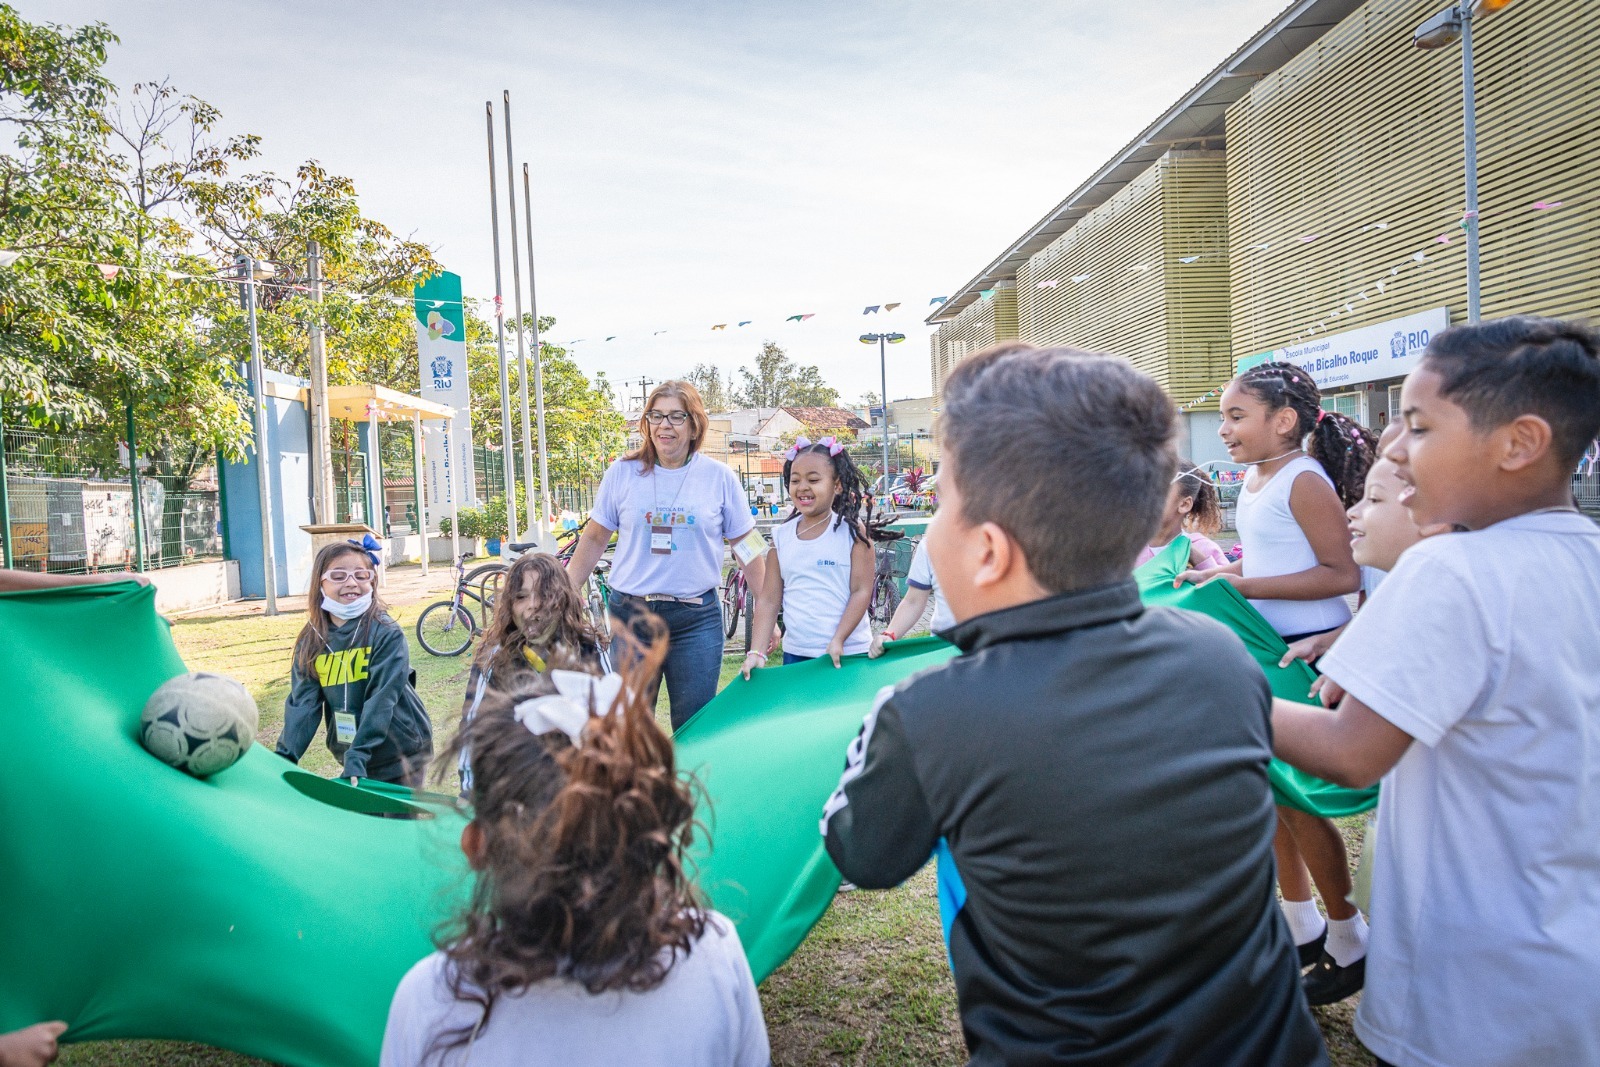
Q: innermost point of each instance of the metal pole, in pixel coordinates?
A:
(416, 486)
(269, 562)
(1470, 137)
(883, 383)
(450, 486)
(506, 443)
(6, 556)
(538, 365)
(140, 563)
(522, 351)
(321, 427)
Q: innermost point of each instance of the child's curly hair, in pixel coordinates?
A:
(582, 874)
(1205, 515)
(568, 638)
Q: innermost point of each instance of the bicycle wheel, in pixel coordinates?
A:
(487, 578)
(730, 604)
(885, 598)
(445, 629)
(749, 619)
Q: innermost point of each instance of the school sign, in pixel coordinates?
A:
(1387, 350)
(442, 359)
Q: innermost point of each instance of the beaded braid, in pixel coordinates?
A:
(853, 503)
(1344, 447)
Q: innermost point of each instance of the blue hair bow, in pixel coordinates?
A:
(371, 546)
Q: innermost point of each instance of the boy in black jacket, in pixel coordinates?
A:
(1093, 773)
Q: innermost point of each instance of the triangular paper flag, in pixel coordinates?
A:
(7, 258)
(891, 307)
(870, 309)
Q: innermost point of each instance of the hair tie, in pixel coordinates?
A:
(577, 697)
(834, 447)
(369, 545)
(801, 443)
(1320, 416)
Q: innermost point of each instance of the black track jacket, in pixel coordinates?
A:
(1099, 773)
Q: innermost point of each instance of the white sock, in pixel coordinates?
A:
(1305, 921)
(1347, 939)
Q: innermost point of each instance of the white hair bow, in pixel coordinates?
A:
(577, 697)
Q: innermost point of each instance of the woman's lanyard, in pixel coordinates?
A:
(661, 543)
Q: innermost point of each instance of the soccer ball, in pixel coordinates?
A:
(200, 723)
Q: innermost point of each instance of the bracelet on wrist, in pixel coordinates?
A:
(890, 635)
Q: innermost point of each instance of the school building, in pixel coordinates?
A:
(1305, 201)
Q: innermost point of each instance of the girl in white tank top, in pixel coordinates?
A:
(1309, 466)
(820, 573)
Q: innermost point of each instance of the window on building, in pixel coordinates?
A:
(1348, 404)
(1394, 403)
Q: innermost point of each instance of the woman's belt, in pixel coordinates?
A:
(656, 598)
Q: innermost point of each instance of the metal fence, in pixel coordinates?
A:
(67, 506)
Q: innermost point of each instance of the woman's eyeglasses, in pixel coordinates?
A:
(656, 418)
(345, 576)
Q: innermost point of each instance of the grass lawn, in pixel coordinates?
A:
(869, 986)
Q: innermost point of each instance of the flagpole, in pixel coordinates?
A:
(538, 357)
(506, 444)
(531, 532)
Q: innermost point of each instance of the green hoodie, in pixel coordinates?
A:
(365, 673)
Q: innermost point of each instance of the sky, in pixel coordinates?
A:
(696, 162)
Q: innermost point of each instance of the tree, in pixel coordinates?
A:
(716, 389)
(777, 382)
(868, 400)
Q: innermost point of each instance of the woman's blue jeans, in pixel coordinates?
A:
(694, 651)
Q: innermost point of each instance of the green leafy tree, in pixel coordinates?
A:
(776, 381)
(716, 389)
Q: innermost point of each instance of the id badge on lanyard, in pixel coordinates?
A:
(661, 541)
(344, 727)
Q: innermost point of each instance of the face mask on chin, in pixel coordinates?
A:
(345, 612)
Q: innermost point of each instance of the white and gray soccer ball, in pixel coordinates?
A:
(200, 723)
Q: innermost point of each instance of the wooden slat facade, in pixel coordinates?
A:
(980, 324)
(1152, 264)
(1357, 142)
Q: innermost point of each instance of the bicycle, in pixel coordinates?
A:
(885, 590)
(737, 601)
(446, 628)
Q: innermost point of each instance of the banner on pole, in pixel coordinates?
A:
(442, 359)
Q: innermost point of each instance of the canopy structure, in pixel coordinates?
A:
(375, 404)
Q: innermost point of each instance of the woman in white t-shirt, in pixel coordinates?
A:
(673, 510)
(582, 942)
(820, 572)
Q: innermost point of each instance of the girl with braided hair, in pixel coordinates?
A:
(820, 574)
(1307, 466)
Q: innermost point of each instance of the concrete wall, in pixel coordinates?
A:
(198, 585)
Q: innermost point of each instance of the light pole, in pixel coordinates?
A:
(248, 270)
(1447, 27)
(883, 383)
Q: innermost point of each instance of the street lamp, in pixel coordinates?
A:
(1442, 30)
(248, 271)
(883, 379)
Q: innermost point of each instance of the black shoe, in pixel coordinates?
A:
(1311, 951)
(1329, 983)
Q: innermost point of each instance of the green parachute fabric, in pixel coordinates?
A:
(255, 910)
(261, 911)
(1221, 601)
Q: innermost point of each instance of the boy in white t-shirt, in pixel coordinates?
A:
(1471, 687)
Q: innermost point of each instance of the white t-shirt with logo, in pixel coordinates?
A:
(1485, 941)
(671, 524)
(921, 576)
(706, 1011)
(816, 587)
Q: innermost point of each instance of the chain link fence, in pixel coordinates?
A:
(67, 506)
